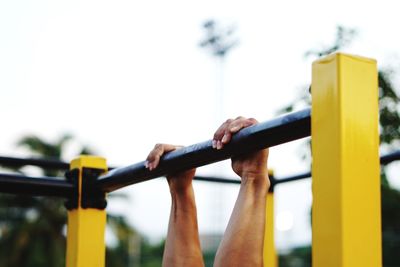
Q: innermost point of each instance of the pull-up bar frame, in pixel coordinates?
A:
(344, 122)
(57, 187)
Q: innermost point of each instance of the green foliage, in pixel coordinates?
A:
(389, 110)
(209, 257)
(344, 36)
(298, 257)
(390, 226)
(31, 228)
(31, 231)
(151, 255)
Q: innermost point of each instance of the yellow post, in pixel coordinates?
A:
(86, 226)
(270, 257)
(346, 216)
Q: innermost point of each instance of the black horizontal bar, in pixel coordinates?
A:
(34, 186)
(384, 160)
(54, 186)
(46, 163)
(267, 134)
(274, 181)
(291, 178)
(388, 158)
(216, 180)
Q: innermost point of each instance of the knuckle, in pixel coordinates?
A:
(218, 132)
(158, 146)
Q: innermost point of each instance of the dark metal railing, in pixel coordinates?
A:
(46, 163)
(284, 129)
(390, 157)
(35, 186)
(384, 160)
(277, 131)
(54, 186)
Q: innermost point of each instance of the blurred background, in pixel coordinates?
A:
(113, 78)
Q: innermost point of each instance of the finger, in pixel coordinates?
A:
(232, 128)
(219, 134)
(153, 158)
(226, 138)
(239, 124)
(254, 121)
(236, 125)
(154, 153)
(219, 144)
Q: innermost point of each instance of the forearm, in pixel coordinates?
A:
(242, 244)
(182, 247)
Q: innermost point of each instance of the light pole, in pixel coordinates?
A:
(219, 41)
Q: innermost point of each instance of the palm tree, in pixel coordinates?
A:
(32, 228)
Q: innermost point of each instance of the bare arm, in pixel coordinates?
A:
(242, 244)
(182, 247)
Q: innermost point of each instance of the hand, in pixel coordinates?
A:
(177, 182)
(249, 166)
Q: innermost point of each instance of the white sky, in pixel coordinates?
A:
(123, 75)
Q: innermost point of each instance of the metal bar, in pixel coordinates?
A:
(216, 180)
(46, 163)
(388, 158)
(292, 178)
(54, 186)
(385, 159)
(271, 133)
(35, 186)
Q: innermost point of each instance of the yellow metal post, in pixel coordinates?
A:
(270, 257)
(346, 218)
(86, 226)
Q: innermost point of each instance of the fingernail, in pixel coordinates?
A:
(224, 139)
(146, 164)
(214, 143)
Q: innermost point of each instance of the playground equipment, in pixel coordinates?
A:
(343, 124)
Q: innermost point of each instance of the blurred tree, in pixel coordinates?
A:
(389, 123)
(219, 40)
(389, 119)
(151, 255)
(31, 228)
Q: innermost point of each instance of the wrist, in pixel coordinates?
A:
(260, 180)
(183, 198)
(181, 190)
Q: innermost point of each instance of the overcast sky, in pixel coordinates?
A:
(124, 75)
